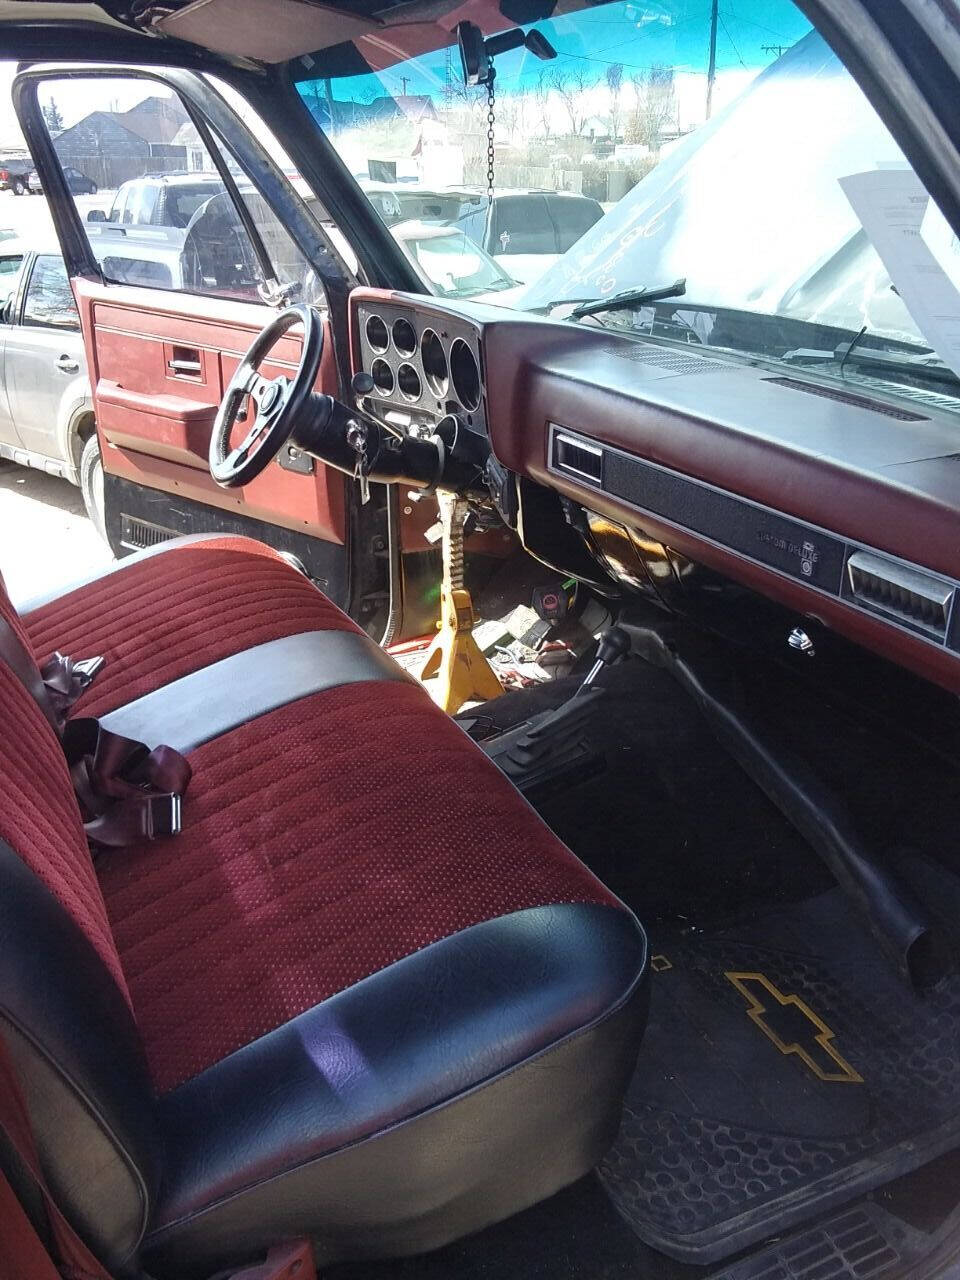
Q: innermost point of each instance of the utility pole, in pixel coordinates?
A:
(404, 80)
(712, 63)
(778, 49)
(448, 76)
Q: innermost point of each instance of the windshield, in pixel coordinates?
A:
(725, 147)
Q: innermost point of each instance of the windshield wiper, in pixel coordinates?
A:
(628, 298)
(866, 360)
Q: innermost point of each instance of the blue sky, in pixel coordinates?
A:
(635, 33)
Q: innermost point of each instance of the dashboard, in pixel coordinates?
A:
(839, 504)
(424, 365)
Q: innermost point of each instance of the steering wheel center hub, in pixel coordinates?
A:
(278, 403)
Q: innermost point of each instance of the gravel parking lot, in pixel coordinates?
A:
(46, 540)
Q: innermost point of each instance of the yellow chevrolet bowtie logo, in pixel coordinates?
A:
(794, 1028)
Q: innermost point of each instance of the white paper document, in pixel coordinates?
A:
(892, 205)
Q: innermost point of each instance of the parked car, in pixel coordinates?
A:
(13, 176)
(46, 405)
(453, 264)
(162, 200)
(78, 183)
(525, 231)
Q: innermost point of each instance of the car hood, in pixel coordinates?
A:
(777, 153)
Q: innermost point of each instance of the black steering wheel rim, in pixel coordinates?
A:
(278, 402)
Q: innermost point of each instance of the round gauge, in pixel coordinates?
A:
(404, 337)
(408, 380)
(382, 376)
(377, 334)
(434, 360)
(465, 374)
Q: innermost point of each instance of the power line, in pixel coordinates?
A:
(732, 43)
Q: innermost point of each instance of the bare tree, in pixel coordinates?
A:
(655, 103)
(615, 85)
(570, 87)
(541, 96)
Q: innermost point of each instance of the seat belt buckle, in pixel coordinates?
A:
(162, 816)
(293, 1261)
(87, 668)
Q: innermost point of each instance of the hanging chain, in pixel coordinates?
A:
(491, 120)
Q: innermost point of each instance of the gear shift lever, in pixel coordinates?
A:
(614, 645)
(556, 743)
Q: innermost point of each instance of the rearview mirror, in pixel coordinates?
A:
(473, 54)
(96, 215)
(477, 53)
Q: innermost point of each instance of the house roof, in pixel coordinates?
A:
(65, 136)
(155, 119)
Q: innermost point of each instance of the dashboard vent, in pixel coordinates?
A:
(900, 591)
(675, 361)
(848, 397)
(585, 461)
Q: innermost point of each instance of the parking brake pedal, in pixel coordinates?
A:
(554, 744)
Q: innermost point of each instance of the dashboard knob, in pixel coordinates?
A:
(362, 384)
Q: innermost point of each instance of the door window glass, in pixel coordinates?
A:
(49, 301)
(9, 270)
(164, 215)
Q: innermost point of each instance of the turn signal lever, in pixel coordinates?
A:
(370, 449)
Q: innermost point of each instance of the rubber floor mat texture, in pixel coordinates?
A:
(786, 1069)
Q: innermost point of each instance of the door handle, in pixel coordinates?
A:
(67, 364)
(185, 361)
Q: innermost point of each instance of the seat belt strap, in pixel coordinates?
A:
(56, 685)
(128, 793)
(66, 678)
(75, 1261)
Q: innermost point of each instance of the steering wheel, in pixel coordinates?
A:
(278, 402)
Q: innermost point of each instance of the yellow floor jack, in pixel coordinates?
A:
(454, 656)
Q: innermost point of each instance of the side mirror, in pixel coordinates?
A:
(6, 312)
(96, 215)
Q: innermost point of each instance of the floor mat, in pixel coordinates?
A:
(862, 1243)
(786, 1069)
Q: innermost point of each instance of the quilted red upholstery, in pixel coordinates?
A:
(300, 872)
(40, 820)
(160, 618)
(9, 615)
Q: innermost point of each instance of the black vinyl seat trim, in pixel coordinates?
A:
(78, 1054)
(446, 1021)
(210, 702)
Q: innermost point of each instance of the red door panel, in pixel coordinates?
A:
(155, 408)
